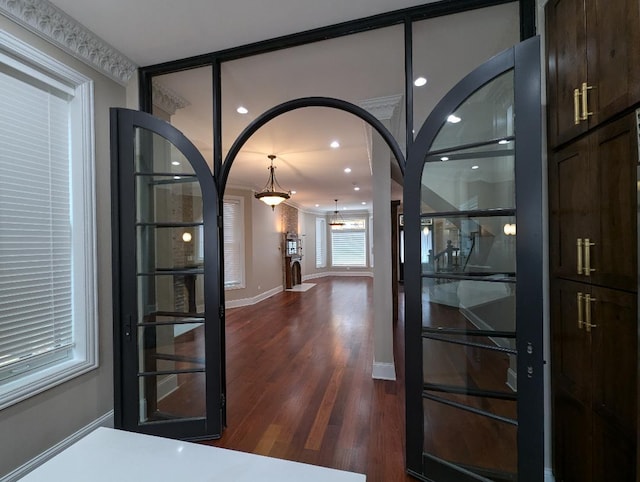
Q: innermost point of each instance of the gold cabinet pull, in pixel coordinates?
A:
(576, 106)
(579, 254)
(587, 308)
(587, 257)
(585, 101)
(580, 311)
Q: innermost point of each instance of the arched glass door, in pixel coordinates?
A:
(166, 298)
(473, 279)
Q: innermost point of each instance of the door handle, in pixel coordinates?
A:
(576, 106)
(580, 311)
(587, 257)
(587, 307)
(579, 255)
(585, 101)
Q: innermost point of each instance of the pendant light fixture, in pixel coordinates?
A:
(336, 219)
(269, 195)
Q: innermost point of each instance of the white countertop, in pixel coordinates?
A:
(117, 456)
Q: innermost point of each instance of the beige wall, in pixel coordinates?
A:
(262, 255)
(30, 427)
(307, 223)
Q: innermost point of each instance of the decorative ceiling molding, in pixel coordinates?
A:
(166, 99)
(381, 107)
(55, 26)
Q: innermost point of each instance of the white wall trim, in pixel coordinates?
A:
(274, 291)
(325, 274)
(105, 420)
(53, 25)
(167, 99)
(512, 379)
(383, 371)
(382, 108)
(256, 299)
(479, 323)
(548, 475)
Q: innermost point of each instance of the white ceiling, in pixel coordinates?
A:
(154, 31)
(356, 68)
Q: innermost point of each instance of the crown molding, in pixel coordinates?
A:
(165, 98)
(382, 108)
(52, 24)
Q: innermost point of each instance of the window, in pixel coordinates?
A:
(321, 243)
(349, 244)
(47, 231)
(233, 219)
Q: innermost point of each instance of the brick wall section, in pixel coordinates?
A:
(289, 219)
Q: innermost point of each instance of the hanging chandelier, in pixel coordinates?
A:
(269, 195)
(336, 219)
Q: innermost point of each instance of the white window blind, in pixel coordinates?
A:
(233, 219)
(349, 244)
(48, 313)
(321, 243)
(35, 224)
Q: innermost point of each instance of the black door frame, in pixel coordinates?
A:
(125, 303)
(525, 60)
(404, 17)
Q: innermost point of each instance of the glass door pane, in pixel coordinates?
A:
(170, 282)
(471, 320)
(468, 287)
(169, 379)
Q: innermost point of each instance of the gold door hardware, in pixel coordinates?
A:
(587, 257)
(576, 106)
(579, 254)
(587, 308)
(580, 314)
(585, 101)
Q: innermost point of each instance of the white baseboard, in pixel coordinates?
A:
(480, 324)
(167, 386)
(548, 475)
(512, 379)
(268, 294)
(105, 420)
(255, 299)
(336, 273)
(383, 371)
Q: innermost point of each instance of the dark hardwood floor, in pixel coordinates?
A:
(299, 383)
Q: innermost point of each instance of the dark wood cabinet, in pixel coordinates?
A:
(593, 71)
(594, 371)
(593, 91)
(593, 207)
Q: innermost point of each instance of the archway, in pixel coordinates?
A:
(261, 120)
(383, 365)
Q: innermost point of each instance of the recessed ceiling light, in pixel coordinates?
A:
(503, 141)
(175, 163)
(347, 170)
(444, 158)
(420, 81)
(242, 110)
(356, 188)
(475, 167)
(454, 119)
(317, 205)
(294, 192)
(344, 208)
(364, 203)
(176, 177)
(335, 144)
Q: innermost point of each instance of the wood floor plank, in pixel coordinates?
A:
(319, 427)
(299, 383)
